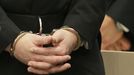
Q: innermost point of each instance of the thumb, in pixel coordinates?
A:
(57, 38)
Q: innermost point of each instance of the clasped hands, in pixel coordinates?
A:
(46, 60)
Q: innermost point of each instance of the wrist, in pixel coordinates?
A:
(13, 45)
(74, 32)
(78, 42)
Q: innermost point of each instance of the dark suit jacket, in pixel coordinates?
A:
(122, 11)
(85, 16)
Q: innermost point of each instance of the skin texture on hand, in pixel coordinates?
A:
(64, 42)
(112, 38)
(25, 45)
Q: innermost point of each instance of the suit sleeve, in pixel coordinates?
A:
(8, 30)
(86, 16)
(123, 12)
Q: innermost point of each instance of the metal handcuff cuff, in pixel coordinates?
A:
(40, 33)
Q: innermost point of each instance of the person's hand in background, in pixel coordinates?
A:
(112, 37)
(120, 45)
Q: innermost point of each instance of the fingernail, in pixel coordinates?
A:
(68, 57)
(68, 65)
(30, 63)
(29, 69)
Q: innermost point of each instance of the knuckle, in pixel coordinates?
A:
(60, 58)
(63, 52)
(55, 61)
(35, 57)
(32, 58)
(49, 66)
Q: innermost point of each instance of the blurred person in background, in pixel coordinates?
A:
(118, 26)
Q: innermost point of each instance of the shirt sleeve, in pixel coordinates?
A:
(122, 27)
